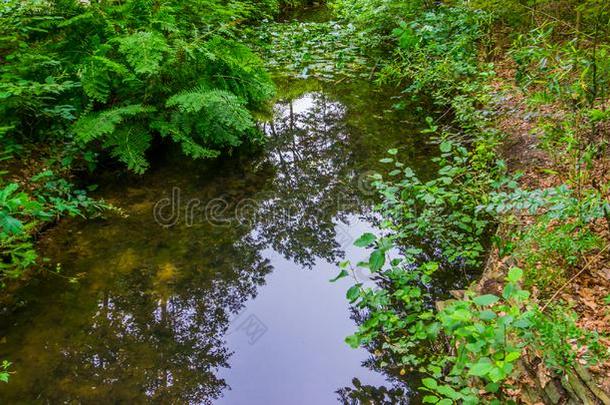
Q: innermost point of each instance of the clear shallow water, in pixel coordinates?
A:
(222, 296)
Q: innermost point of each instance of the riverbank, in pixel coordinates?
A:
(514, 138)
(586, 287)
(212, 293)
(73, 90)
(38, 189)
(522, 148)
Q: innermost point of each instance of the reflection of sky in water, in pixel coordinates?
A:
(151, 315)
(302, 357)
(300, 105)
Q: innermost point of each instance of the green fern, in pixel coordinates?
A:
(144, 51)
(216, 116)
(94, 125)
(129, 145)
(237, 69)
(188, 145)
(96, 77)
(86, 18)
(164, 19)
(119, 69)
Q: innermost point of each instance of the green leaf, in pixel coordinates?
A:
(515, 274)
(509, 291)
(430, 383)
(392, 151)
(377, 260)
(482, 368)
(492, 387)
(353, 293)
(512, 356)
(445, 146)
(487, 315)
(430, 267)
(430, 399)
(448, 392)
(522, 323)
(353, 341)
(365, 240)
(461, 315)
(496, 374)
(341, 274)
(485, 300)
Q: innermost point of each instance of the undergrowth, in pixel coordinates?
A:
(467, 349)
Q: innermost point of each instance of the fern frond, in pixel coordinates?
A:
(237, 69)
(228, 109)
(78, 19)
(94, 125)
(165, 19)
(188, 145)
(189, 101)
(129, 145)
(96, 79)
(144, 51)
(217, 117)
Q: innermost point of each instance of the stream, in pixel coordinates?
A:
(215, 286)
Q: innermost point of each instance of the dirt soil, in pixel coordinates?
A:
(587, 287)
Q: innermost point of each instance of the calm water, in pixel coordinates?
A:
(215, 287)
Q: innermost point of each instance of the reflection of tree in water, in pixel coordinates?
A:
(368, 394)
(148, 322)
(450, 276)
(310, 148)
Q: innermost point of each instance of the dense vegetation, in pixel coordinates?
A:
(84, 82)
(83, 78)
(444, 54)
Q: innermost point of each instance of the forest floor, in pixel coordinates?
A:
(587, 285)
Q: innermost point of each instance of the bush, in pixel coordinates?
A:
(119, 74)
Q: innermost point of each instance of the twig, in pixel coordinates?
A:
(340, 80)
(586, 266)
(558, 21)
(373, 71)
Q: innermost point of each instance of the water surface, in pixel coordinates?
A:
(215, 287)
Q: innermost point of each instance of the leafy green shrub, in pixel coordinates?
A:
(443, 210)
(438, 50)
(22, 214)
(485, 334)
(571, 77)
(377, 18)
(560, 235)
(467, 348)
(118, 74)
(4, 373)
(557, 338)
